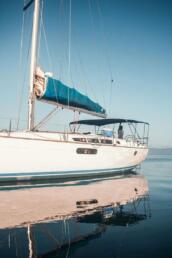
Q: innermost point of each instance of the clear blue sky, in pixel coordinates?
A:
(130, 41)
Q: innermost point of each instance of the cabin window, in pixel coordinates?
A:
(79, 139)
(86, 151)
(106, 141)
(93, 140)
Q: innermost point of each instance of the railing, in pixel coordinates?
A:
(138, 140)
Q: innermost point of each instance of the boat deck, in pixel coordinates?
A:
(93, 139)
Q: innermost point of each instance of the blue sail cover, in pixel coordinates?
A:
(57, 92)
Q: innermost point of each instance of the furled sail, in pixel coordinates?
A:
(54, 91)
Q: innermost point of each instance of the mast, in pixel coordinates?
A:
(33, 64)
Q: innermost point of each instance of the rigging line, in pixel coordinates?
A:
(92, 22)
(22, 90)
(46, 119)
(104, 37)
(75, 65)
(87, 81)
(70, 75)
(103, 40)
(69, 46)
(64, 53)
(24, 78)
(60, 14)
(107, 56)
(39, 37)
(46, 44)
(48, 53)
(67, 55)
(110, 96)
(20, 65)
(94, 32)
(69, 43)
(94, 36)
(76, 55)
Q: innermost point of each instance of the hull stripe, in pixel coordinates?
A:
(60, 174)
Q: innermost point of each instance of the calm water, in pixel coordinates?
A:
(139, 229)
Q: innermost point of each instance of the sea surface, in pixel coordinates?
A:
(139, 226)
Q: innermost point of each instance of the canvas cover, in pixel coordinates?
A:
(56, 91)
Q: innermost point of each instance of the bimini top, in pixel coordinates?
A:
(101, 122)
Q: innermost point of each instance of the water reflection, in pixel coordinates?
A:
(53, 219)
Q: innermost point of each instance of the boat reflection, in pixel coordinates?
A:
(49, 215)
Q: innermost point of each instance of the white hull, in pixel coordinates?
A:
(32, 155)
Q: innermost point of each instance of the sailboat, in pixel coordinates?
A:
(34, 154)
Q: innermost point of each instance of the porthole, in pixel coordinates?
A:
(86, 151)
(135, 153)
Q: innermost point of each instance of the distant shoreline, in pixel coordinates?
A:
(160, 151)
